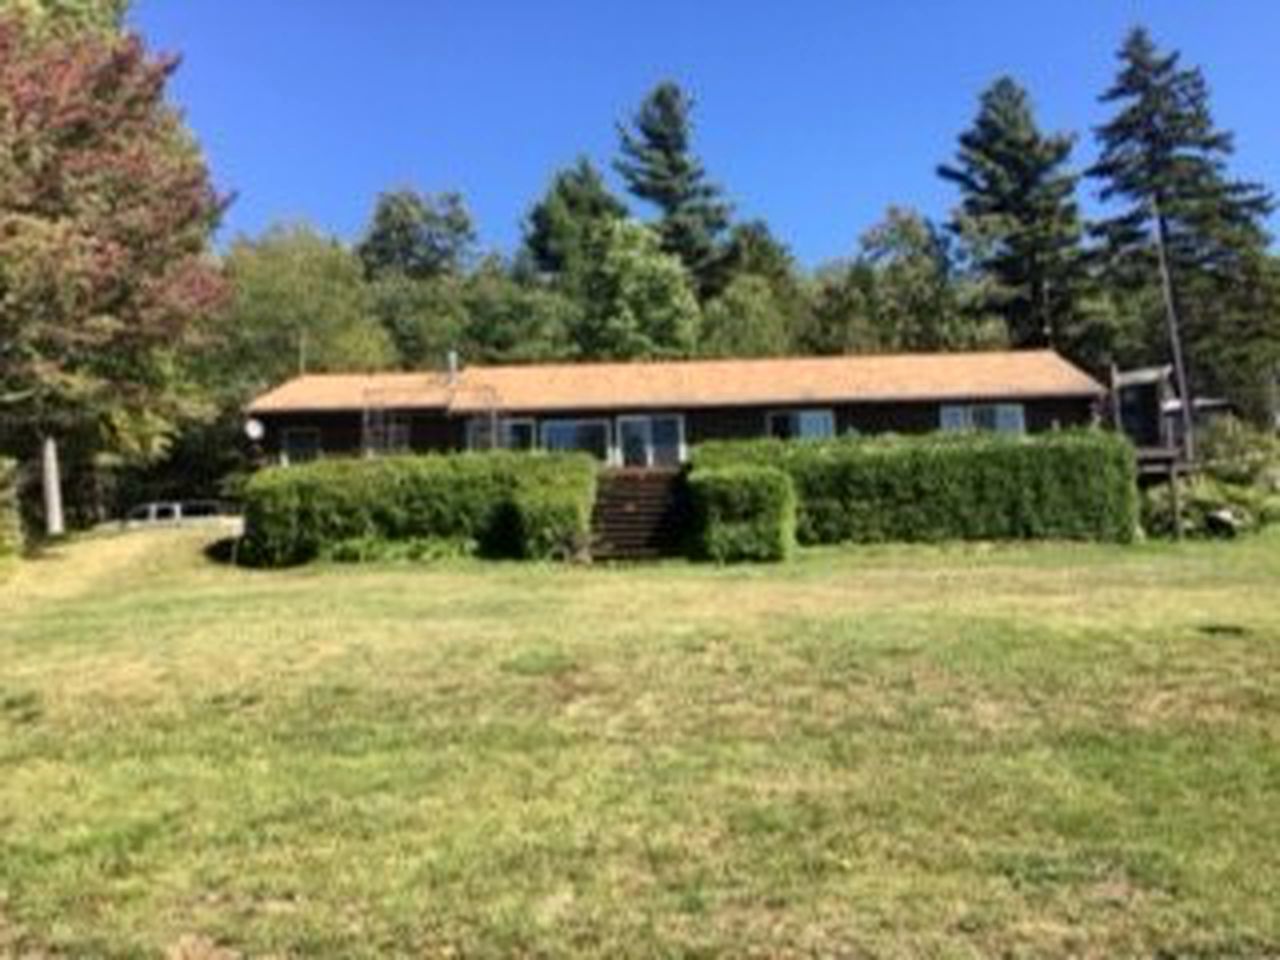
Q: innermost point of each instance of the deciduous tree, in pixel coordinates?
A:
(106, 211)
(638, 301)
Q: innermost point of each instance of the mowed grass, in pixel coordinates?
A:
(962, 751)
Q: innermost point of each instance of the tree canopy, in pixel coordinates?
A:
(106, 212)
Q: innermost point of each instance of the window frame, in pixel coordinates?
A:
(551, 423)
(682, 448)
(798, 414)
(962, 418)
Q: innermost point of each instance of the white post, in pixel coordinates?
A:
(52, 482)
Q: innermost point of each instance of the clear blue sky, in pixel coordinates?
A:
(814, 114)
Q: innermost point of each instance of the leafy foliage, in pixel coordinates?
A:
(743, 513)
(68, 17)
(1209, 508)
(10, 512)
(299, 303)
(508, 504)
(106, 210)
(1070, 485)
(637, 299)
(746, 320)
(417, 235)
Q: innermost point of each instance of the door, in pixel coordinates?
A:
(653, 441)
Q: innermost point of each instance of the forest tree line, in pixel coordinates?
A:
(128, 337)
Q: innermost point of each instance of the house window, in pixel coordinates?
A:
(299, 445)
(386, 432)
(986, 417)
(801, 424)
(591, 436)
(516, 434)
(519, 434)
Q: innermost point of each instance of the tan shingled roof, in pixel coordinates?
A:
(355, 391)
(700, 383)
(711, 383)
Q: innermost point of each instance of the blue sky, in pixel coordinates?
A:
(814, 114)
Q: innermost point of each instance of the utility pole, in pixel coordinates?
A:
(1175, 333)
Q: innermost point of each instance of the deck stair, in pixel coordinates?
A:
(638, 514)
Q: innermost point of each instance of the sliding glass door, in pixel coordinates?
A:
(651, 441)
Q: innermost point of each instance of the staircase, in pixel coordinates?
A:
(638, 515)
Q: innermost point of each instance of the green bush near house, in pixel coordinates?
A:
(506, 504)
(742, 513)
(1072, 485)
(1210, 508)
(10, 514)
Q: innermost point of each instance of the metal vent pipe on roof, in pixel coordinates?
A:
(453, 367)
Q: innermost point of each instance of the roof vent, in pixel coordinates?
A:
(453, 368)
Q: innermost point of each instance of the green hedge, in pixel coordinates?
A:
(10, 513)
(743, 513)
(506, 504)
(1077, 485)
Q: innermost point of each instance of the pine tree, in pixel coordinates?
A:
(1017, 194)
(659, 166)
(556, 230)
(1163, 161)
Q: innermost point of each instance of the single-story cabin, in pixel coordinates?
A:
(648, 414)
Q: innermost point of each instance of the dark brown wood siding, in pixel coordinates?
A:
(434, 431)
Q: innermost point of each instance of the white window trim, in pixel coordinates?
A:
(287, 432)
(611, 451)
(683, 452)
(772, 416)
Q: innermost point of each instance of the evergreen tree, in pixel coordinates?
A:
(1163, 162)
(1018, 196)
(417, 235)
(659, 166)
(556, 230)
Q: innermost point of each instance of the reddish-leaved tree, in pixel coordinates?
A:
(106, 213)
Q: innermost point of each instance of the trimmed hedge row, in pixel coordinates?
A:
(506, 504)
(1075, 485)
(10, 511)
(743, 513)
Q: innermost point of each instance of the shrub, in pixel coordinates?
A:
(1210, 508)
(10, 510)
(1235, 452)
(340, 507)
(743, 513)
(1078, 485)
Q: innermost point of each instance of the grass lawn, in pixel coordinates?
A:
(885, 752)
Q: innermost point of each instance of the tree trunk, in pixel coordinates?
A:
(52, 482)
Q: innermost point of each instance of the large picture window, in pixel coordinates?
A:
(987, 417)
(590, 436)
(802, 424)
